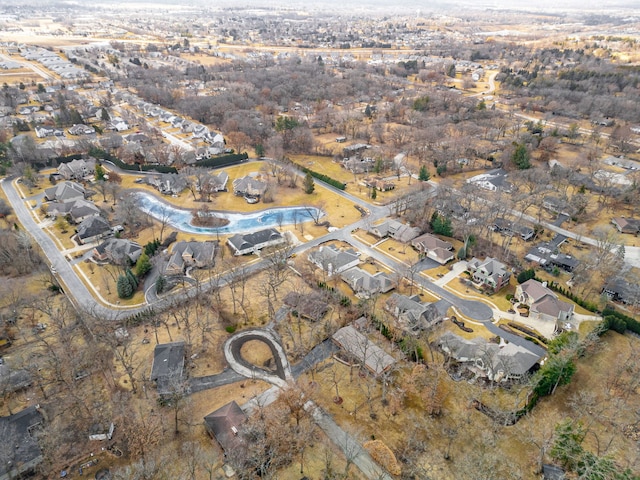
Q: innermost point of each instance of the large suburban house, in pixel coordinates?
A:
(620, 290)
(498, 363)
(22, 453)
(396, 230)
(543, 303)
(363, 350)
(243, 244)
(249, 187)
(78, 209)
(507, 227)
(168, 183)
(81, 129)
(191, 254)
(168, 367)
(219, 182)
(223, 425)
(77, 169)
(44, 132)
(64, 192)
(334, 261)
(489, 273)
(547, 255)
(494, 180)
(432, 247)
(627, 225)
(365, 284)
(118, 251)
(93, 228)
(312, 306)
(411, 313)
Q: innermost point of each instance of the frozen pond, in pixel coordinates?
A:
(238, 222)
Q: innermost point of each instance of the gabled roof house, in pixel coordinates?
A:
(243, 244)
(332, 260)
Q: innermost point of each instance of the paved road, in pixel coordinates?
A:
(235, 360)
(71, 283)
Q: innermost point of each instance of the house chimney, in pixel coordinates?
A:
(544, 284)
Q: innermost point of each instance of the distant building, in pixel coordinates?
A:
(81, 129)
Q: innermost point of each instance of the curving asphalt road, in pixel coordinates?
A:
(235, 360)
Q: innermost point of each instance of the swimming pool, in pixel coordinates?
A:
(238, 222)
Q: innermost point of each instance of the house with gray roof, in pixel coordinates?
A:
(543, 303)
(620, 290)
(119, 251)
(81, 129)
(547, 255)
(432, 247)
(168, 367)
(249, 187)
(489, 273)
(20, 431)
(397, 230)
(312, 306)
(244, 244)
(494, 180)
(168, 183)
(626, 224)
(224, 423)
(363, 350)
(411, 313)
(78, 210)
(365, 284)
(191, 254)
(77, 169)
(333, 260)
(13, 380)
(64, 192)
(497, 362)
(93, 228)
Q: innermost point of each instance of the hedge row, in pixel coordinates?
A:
(223, 160)
(592, 307)
(323, 178)
(611, 315)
